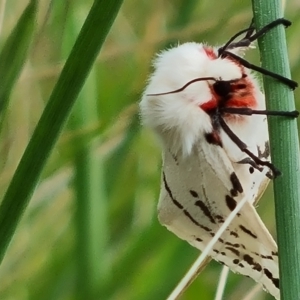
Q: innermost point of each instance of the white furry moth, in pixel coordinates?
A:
(209, 113)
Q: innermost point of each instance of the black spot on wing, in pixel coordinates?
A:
(233, 192)
(233, 250)
(219, 218)
(264, 256)
(233, 245)
(194, 194)
(265, 153)
(195, 221)
(270, 276)
(233, 233)
(170, 193)
(255, 266)
(236, 183)
(231, 203)
(270, 175)
(213, 138)
(180, 206)
(248, 231)
(205, 210)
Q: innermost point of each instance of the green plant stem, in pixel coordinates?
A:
(11, 62)
(90, 217)
(284, 148)
(65, 92)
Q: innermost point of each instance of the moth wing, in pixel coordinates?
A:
(263, 152)
(256, 136)
(198, 193)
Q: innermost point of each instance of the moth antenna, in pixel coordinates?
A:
(184, 87)
(243, 147)
(191, 82)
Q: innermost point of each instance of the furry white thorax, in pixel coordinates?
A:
(177, 118)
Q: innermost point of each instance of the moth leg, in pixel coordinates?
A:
(243, 148)
(250, 35)
(250, 162)
(268, 27)
(290, 83)
(249, 112)
(247, 40)
(244, 42)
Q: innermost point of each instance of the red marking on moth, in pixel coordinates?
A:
(210, 52)
(211, 104)
(241, 95)
(245, 101)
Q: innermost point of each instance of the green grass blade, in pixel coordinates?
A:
(90, 216)
(14, 52)
(65, 92)
(284, 148)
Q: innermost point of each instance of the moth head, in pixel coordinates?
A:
(181, 83)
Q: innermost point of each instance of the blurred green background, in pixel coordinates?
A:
(91, 231)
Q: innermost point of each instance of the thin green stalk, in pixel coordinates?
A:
(11, 62)
(284, 148)
(65, 92)
(91, 211)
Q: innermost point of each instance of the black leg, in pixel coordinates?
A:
(250, 162)
(247, 40)
(250, 35)
(268, 27)
(251, 30)
(249, 112)
(242, 43)
(243, 147)
(291, 83)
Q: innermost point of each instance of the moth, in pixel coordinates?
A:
(209, 113)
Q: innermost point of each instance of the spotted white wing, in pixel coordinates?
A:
(198, 192)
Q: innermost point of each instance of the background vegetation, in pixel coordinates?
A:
(90, 231)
